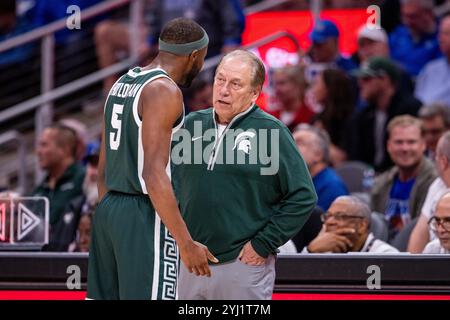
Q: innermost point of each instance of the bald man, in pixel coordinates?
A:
(440, 224)
(346, 228)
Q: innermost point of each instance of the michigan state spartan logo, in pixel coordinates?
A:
(242, 141)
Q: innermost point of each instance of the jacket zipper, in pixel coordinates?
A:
(213, 156)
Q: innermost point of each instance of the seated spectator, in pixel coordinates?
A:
(313, 143)
(374, 43)
(333, 90)
(64, 231)
(433, 82)
(399, 193)
(289, 85)
(414, 43)
(421, 235)
(83, 238)
(378, 86)
(347, 229)
(324, 48)
(56, 155)
(440, 225)
(81, 132)
(436, 120)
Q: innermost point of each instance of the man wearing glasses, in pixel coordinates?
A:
(440, 225)
(421, 234)
(346, 228)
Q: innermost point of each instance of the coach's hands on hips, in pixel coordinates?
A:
(249, 256)
(195, 257)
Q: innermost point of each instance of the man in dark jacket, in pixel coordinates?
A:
(378, 86)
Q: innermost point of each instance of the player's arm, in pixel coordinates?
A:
(101, 166)
(419, 236)
(160, 107)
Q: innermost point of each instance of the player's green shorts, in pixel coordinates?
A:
(132, 255)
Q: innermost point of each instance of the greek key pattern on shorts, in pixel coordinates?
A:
(170, 258)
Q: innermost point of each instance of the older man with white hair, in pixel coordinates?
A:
(242, 210)
(440, 224)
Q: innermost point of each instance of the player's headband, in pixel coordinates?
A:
(184, 49)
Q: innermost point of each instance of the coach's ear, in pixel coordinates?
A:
(255, 94)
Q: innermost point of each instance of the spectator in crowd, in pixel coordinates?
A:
(314, 143)
(289, 85)
(399, 193)
(324, 48)
(81, 132)
(56, 155)
(378, 86)
(433, 82)
(436, 120)
(83, 238)
(373, 42)
(64, 231)
(421, 234)
(346, 228)
(333, 90)
(414, 43)
(440, 225)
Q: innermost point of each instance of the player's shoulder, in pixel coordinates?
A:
(162, 88)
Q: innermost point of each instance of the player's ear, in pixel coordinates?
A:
(194, 55)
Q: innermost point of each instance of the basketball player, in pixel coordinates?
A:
(132, 254)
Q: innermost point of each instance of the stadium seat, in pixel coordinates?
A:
(357, 176)
(401, 240)
(378, 226)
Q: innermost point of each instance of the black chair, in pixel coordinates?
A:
(357, 176)
(379, 227)
(401, 239)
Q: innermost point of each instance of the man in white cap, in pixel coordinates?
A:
(371, 43)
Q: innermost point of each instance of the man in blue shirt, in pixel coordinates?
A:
(400, 192)
(414, 43)
(433, 82)
(314, 144)
(325, 47)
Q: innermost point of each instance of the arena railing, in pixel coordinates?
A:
(311, 273)
(15, 138)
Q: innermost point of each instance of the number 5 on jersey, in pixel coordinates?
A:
(116, 123)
